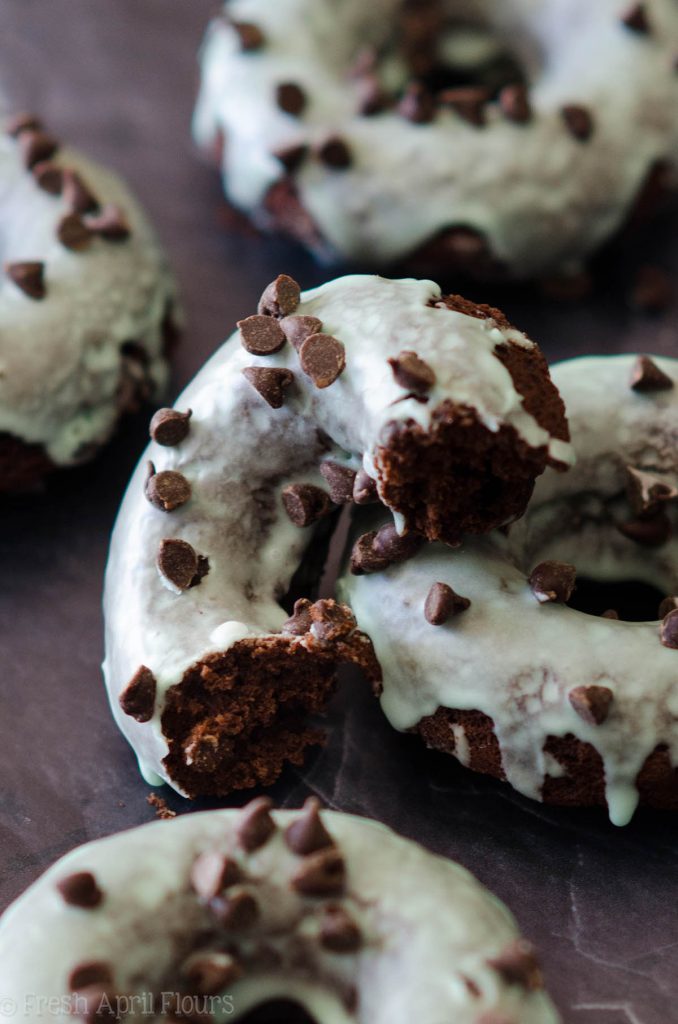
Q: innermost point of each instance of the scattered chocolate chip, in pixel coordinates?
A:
(270, 382)
(646, 376)
(110, 224)
(418, 104)
(96, 972)
(280, 298)
(237, 910)
(340, 480)
(364, 559)
(442, 603)
(668, 605)
(592, 703)
(298, 328)
(553, 581)
(668, 630)
(256, 826)
(514, 101)
(292, 157)
(648, 532)
(261, 335)
(22, 123)
(468, 102)
(36, 146)
(167, 490)
(578, 121)
(80, 890)
(180, 564)
(518, 965)
(73, 233)
(77, 195)
(335, 153)
(647, 492)
(170, 427)
(372, 98)
(305, 504)
(29, 277)
(291, 98)
(652, 290)
(300, 621)
(611, 613)
(375, 551)
(250, 36)
(338, 931)
(365, 489)
(307, 834)
(323, 359)
(138, 698)
(212, 873)
(48, 177)
(321, 874)
(412, 373)
(635, 18)
(208, 974)
(331, 621)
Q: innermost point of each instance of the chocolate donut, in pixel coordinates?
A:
(316, 401)
(353, 126)
(210, 915)
(481, 653)
(86, 305)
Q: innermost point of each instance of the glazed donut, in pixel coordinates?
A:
(86, 305)
(322, 399)
(336, 123)
(210, 915)
(570, 708)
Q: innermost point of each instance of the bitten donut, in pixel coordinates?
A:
(86, 305)
(353, 126)
(210, 915)
(480, 652)
(317, 401)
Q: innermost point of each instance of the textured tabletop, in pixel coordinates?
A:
(117, 77)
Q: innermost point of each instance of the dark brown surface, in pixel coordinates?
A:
(117, 77)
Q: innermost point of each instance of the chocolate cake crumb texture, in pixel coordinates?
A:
(162, 811)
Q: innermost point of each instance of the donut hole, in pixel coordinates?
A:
(633, 600)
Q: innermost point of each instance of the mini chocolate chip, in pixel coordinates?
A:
(442, 603)
(270, 382)
(364, 559)
(412, 373)
(138, 698)
(518, 965)
(180, 564)
(110, 224)
(635, 18)
(298, 328)
(611, 613)
(36, 146)
(338, 931)
(514, 101)
(323, 359)
(305, 504)
(22, 123)
(647, 492)
(236, 911)
(307, 834)
(73, 233)
(168, 490)
(280, 298)
(29, 277)
(48, 177)
(80, 890)
(592, 703)
(208, 974)
(292, 157)
(170, 427)
(648, 532)
(668, 630)
(94, 972)
(365, 489)
(256, 826)
(418, 104)
(578, 121)
(335, 153)
(372, 98)
(389, 544)
(250, 36)
(300, 621)
(340, 480)
(212, 873)
(77, 195)
(261, 335)
(553, 581)
(668, 605)
(321, 874)
(331, 621)
(468, 102)
(646, 376)
(291, 98)
(652, 290)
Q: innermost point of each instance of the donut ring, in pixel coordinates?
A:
(230, 910)
(86, 306)
(207, 679)
(346, 156)
(570, 708)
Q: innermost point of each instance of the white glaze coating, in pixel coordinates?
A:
(516, 660)
(426, 924)
(252, 562)
(543, 199)
(60, 361)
